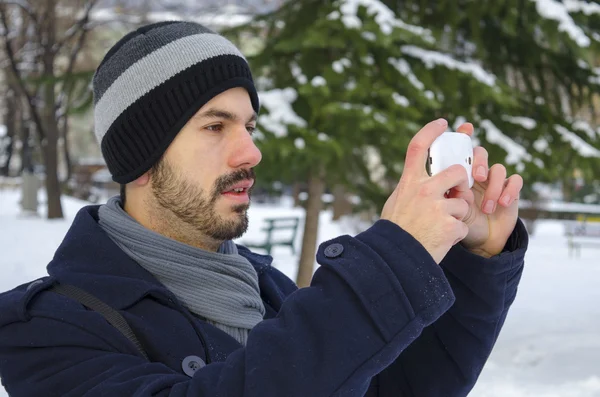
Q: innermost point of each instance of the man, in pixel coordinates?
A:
(410, 307)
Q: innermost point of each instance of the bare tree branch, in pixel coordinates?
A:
(66, 91)
(23, 5)
(78, 26)
(17, 74)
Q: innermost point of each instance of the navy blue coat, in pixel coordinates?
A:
(380, 318)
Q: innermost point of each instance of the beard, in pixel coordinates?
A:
(197, 208)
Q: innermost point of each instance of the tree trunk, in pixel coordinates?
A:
(567, 188)
(296, 194)
(11, 126)
(314, 204)
(50, 146)
(50, 150)
(26, 164)
(66, 151)
(341, 205)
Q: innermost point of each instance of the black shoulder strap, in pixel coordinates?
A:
(111, 315)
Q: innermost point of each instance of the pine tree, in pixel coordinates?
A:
(340, 101)
(544, 53)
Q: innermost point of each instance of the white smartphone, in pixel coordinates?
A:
(448, 149)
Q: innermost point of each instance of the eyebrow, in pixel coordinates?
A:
(222, 114)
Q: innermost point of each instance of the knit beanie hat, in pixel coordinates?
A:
(151, 82)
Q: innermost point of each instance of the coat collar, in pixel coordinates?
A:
(89, 259)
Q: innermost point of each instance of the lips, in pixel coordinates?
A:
(240, 187)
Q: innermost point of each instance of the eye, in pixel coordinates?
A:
(250, 129)
(214, 127)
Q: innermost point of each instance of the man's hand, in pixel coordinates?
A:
(419, 204)
(494, 205)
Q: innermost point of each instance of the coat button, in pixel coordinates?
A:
(191, 364)
(334, 250)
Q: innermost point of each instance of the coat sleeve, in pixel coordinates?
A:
(447, 358)
(371, 297)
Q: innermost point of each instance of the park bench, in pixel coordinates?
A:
(582, 233)
(273, 227)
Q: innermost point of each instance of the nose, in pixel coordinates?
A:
(245, 153)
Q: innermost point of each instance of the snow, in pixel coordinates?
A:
(299, 143)
(217, 20)
(582, 64)
(515, 152)
(350, 84)
(582, 6)
(339, 65)
(369, 60)
(540, 145)
(400, 100)
(404, 68)
(587, 128)
(369, 36)
(549, 346)
(334, 15)
(559, 12)
(380, 118)
(435, 58)
(385, 18)
(318, 81)
(524, 122)
(581, 146)
(279, 104)
(297, 73)
(564, 207)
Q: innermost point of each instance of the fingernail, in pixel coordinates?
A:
(488, 207)
(505, 200)
(480, 171)
(442, 122)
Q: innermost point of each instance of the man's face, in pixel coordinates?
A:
(206, 174)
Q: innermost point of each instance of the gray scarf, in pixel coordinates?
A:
(221, 287)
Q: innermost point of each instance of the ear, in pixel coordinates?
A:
(142, 180)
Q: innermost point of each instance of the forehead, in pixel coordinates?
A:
(233, 104)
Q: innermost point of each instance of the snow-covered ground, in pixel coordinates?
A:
(549, 347)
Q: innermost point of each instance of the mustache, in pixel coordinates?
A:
(225, 182)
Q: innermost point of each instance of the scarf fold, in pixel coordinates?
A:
(221, 287)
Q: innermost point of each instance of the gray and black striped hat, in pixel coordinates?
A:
(151, 82)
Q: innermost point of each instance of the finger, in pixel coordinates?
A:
(511, 191)
(466, 195)
(480, 164)
(496, 178)
(417, 151)
(454, 177)
(466, 128)
(458, 208)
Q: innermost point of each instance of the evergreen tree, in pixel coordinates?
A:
(544, 53)
(341, 102)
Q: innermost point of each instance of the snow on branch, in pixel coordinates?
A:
(581, 146)
(404, 68)
(582, 6)
(554, 10)
(434, 58)
(525, 122)
(385, 18)
(515, 152)
(281, 114)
